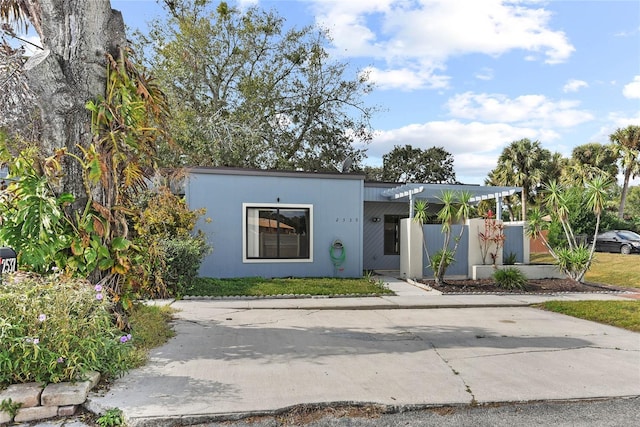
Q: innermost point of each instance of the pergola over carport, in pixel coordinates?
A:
(432, 193)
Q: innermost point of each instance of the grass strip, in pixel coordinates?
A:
(150, 327)
(258, 286)
(606, 268)
(615, 269)
(623, 314)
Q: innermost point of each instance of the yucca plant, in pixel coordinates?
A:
(575, 259)
(455, 209)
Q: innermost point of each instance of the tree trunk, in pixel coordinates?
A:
(524, 203)
(76, 35)
(625, 190)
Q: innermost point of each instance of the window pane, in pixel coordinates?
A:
(277, 233)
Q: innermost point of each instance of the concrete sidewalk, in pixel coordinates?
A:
(407, 295)
(232, 358)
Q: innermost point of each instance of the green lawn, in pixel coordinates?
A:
(257, 286)
(623, 314)
(607, 269)
(615, 269)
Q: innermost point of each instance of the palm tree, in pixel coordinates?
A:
(524, 164)
(588, 161)
(21, 12)
(627, 141)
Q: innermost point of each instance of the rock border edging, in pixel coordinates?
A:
(40, 402)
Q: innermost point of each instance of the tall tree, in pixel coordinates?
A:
(373, 173)
(69, 70)
(589, 161)
(102, 120)
(246, 92)
(627, 142)
(408, 164)
(525, 164)
(633, 205)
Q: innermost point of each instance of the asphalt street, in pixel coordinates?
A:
(600, 413)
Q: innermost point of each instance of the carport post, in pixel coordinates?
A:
(411, 213)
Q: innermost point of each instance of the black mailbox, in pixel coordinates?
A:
(7, 260)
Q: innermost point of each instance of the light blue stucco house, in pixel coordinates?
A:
(305, 224)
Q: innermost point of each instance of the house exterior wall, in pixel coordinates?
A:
(374, 257)
(336, 203)
(516, 242)
(434, 239)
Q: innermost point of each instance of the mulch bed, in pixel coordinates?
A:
(538, 286)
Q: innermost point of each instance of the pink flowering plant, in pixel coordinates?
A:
(55, 329)
(491, 238)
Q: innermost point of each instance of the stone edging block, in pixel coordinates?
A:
(36, 413)
(28, 394)
(60, 399)
(64, 394)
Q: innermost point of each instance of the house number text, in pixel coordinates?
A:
(346, 219)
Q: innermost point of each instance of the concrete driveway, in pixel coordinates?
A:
(228, 362)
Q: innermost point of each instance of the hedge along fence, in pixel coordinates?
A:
(55, 329)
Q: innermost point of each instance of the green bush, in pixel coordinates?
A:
(183, 258)
(54, 329)
(436, 257)
(172, 250)
(510, 278)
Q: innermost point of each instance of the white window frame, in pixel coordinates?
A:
(247, 206)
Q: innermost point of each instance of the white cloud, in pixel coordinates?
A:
(484, 74)
(412, 35)
(405, 79)
(574, 85)
(475, 146)
(244, 4)
(527, 110)
(615, 120)
(632, 90)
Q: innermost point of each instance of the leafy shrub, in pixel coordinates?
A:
(111, 418)
(32, 217)
(172, 252)
(510, 278)
(573, 260)
(183, 258)
(436, 257)
(54, 329)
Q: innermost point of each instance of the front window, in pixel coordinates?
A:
(277, 232)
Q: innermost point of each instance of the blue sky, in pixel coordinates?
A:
(474, 75)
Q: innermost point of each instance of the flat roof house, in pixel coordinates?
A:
(279, 223)
(305, 224)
